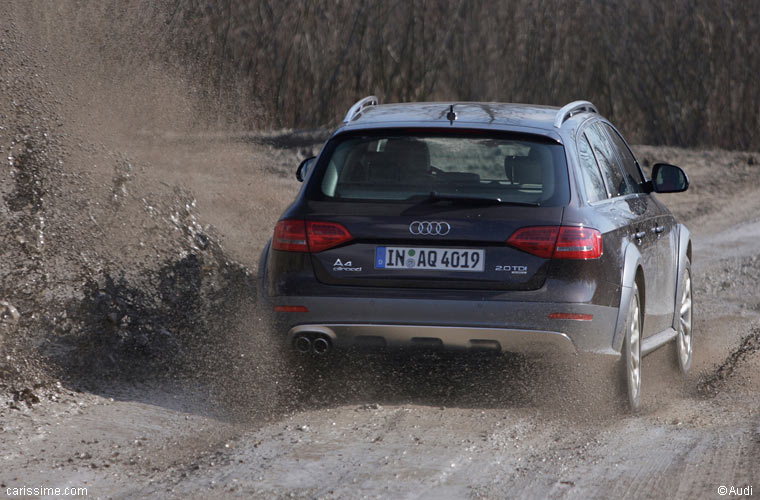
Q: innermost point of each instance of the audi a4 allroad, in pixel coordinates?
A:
(482, 226)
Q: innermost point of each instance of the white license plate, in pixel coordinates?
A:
(434, 259)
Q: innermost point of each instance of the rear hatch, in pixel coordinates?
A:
(432, 208)
(444, 245)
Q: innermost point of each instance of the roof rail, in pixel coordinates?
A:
(359, 106)
(575, 107)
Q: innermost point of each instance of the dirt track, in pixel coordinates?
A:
(401, 431)
(213, 412)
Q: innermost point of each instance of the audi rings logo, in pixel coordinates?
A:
(429, 228)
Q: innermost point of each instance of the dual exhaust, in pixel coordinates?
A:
(316, 342)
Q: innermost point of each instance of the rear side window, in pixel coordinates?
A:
(630, 168)
(592, 178)
(402, 167)
(608, 164)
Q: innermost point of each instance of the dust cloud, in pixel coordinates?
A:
(109, 274)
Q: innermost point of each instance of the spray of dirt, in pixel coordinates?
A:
(108, 273)
(715, 381)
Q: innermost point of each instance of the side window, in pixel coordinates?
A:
(630, 168)
(592, 178)
(608, 164)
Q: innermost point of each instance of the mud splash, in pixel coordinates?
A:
(714, 382)
(109, 275)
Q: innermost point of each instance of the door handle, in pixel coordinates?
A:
(659, 229)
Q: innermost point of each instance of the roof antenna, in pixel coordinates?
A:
(451, 115)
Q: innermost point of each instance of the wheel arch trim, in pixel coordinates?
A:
(631, 264)
(262, 270)
(684, 244)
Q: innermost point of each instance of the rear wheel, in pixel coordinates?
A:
(631, 354)
(685, 339)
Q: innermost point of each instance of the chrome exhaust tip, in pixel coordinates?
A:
(321, 345)
(302, 344)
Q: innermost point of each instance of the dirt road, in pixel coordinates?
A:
(435, 429)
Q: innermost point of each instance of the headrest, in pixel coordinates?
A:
(536, 169)
(408, 152)
(524, 169)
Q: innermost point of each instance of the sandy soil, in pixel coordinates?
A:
(141, 391)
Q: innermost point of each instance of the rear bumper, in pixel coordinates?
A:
(449, 337)
(510, 326)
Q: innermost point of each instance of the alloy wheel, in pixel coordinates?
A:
(632, 351)
(685, 346)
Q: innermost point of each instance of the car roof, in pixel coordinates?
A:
(529, 118)
(482, 113)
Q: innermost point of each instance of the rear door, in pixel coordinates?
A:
(661, 228)
(632, 213)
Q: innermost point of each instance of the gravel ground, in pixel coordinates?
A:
(133, 362)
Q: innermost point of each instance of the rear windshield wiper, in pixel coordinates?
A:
(434, 197)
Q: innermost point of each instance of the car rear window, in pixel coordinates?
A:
(392, 166)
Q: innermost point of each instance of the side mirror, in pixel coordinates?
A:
(669, 179)
(303, 168)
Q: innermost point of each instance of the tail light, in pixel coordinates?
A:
(558, 242)
(290, 236)
(539, 241)
(578, 243)
(305, 236)
(324, 235)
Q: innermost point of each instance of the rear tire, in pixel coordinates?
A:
(631, 353)
(684, 312)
